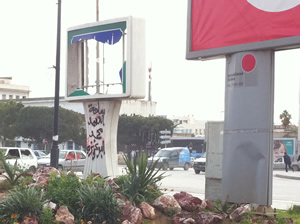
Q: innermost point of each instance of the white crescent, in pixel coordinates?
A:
(274, 5)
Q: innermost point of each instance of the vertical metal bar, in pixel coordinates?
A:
(97, 54)
(54, 150)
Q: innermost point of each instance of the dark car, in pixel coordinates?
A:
(171, 158)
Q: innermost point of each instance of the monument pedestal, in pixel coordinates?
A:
(101, 125)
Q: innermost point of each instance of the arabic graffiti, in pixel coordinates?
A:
(95, 132)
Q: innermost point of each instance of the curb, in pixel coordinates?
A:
(287, 177)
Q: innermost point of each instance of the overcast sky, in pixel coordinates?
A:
(180, 87)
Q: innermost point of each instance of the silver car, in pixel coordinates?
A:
(68, 159)
(39, 154)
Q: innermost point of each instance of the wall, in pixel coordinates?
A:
(214, 156)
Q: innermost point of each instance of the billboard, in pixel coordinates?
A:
(106, 60)
(282, 145)
(219, 27)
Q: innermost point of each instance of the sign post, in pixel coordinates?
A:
(249, 92)
(165, 136)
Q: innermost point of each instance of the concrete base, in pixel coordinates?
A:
(263, 210)
(213, 189)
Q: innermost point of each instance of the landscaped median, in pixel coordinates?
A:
(49, 196)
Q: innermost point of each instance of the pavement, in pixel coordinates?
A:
(288, 175)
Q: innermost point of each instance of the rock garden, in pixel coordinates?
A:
(48, 195)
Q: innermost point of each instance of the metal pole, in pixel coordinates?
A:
(97, 54)
(150, 78)
(54, 150)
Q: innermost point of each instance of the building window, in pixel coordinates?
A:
(77, 147)
(70, 145)
(3, 96)
(23, 97)
(10, 97)
(17, 97)
(18, 144)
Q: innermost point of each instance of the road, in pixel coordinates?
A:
(285, 191)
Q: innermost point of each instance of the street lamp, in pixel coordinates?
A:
(54, 149)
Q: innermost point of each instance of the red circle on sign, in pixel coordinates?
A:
(248, 62)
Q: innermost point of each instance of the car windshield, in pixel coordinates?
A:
(43, 154)
(61, 155)
(204, 155)
(163, 153)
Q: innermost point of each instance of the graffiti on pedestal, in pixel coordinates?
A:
(95, 132)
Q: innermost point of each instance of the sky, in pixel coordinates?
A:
(180, 87)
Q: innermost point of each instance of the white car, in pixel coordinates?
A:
(67, 159)
(25, 157)
(199, 164)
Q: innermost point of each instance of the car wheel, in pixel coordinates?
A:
(165, 166)
(186, 166)
(171, 168)
(32, 169)
(197, 171)
(295, 168)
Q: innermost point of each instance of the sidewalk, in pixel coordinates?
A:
(288, 175)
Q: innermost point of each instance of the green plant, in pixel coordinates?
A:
(62, 191)
(152, 192)
(281, 220)
(291, 213)
(92, 178)
(23, 202)
(47, 216)
(224, 207)
(98, 204)
(12, 173)
(140, 176)
(171, 212)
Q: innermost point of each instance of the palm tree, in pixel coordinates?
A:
(285, 118)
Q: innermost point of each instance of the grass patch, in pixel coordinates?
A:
(293, 213)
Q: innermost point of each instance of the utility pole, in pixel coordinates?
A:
(97, 54)
(149, 87)
(54, 149)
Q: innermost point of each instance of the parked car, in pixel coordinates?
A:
(39, 154)
(172, 157)
(67, 159)
(296, 166)
(199, 164)
(278, 163)
(25, 157)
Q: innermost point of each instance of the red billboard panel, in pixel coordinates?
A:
(218, 25)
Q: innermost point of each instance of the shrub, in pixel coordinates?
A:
(21, 202)
(140, 176)
(98, 204)
(92, 178)
(47, 216)
(12, 173)
(62, 191)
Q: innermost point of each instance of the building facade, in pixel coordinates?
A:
(9, 91)
(188, 126)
